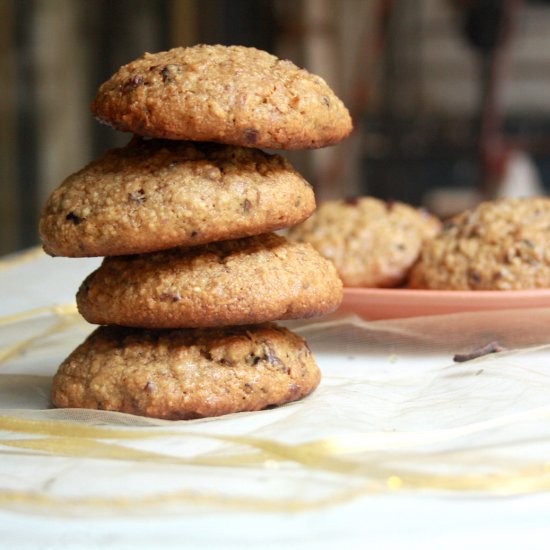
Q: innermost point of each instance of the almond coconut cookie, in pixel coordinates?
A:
(184, 374)
(372, 243)
(244, 281)
(227, 94)
(500, 245)
(158, 194)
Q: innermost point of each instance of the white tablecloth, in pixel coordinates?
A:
(376, 397)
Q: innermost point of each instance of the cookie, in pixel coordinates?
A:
(372, 243)
(157, 194)
(184, 374)
(238, 282)
(227, 94)
(500, 245)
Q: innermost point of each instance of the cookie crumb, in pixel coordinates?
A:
(491, 347)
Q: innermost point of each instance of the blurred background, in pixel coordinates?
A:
(450, 98)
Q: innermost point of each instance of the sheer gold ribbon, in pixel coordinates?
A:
(363, 461)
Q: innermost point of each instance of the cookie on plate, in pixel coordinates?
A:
(157, 194)
(184, 374)
(499, 245)
(237, 282)
(227, 94)
(372, 243)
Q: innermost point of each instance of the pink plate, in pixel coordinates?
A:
(393, 303)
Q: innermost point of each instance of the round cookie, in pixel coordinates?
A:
(157, 194)
(184, 374)
(372, 243)
(244, 281)
(499, 245)
(227, 94)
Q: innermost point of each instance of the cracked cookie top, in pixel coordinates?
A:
(499, 245)
(243, 281)
(227, 94)
(371, 242)
(157, 194)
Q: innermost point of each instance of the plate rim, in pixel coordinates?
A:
(435, 294)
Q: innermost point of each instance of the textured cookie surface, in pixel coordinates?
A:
(244, 281)
(157, 194)
(372, 243)
(227, 94)
(500, 245)
(186, 374)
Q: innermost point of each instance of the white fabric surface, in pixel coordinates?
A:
(365, 390)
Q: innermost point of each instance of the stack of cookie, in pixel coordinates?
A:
(194, 276)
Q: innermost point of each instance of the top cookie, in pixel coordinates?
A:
(156, 194)
(372, 243)
(226, 94)
(500, 245)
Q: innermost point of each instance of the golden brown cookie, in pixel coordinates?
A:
(184, 374)
(372, 243)
(244, 281)
(500, 245)
(157, 194)
(227, 94)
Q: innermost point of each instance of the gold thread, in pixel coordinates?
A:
(22, 258)
(73, 505)
(534, 478)
(522, 482)
(59, 310)
(18, 348)
(88, 448)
